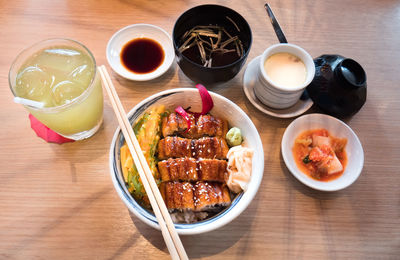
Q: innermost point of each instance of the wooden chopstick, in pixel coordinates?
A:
(171, 238)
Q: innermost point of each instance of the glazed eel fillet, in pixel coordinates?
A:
(204, 125)
(190, 169)
(200, 196)
(206, 147)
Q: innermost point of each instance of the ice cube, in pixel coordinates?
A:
(65, 91)
(61, 59)
(33, 83)
(82, 75)
(78, 71)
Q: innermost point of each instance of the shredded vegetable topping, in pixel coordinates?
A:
(212, 45)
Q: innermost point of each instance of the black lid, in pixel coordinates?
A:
(339, 87)
(349, 71)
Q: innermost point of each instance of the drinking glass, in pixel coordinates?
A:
(53, 79)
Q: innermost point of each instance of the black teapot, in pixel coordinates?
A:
(339, 87)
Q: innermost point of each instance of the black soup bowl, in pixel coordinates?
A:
(206, 15)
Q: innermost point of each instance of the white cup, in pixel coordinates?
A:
(278, 96)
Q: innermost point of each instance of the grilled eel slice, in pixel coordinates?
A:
(206, 147)
(201, 196)
(188, 169)
(204, 125)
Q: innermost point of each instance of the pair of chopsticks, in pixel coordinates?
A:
(171, 238)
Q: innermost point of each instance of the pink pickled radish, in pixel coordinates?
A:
(206, 100)
(182, 112)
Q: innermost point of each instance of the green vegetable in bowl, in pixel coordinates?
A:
(147, 130)
(306, 159)
(234, 136)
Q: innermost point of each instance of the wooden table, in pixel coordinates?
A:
(58, 202)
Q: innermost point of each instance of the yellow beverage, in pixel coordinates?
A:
(62, 75)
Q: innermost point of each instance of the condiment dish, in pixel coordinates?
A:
(223, 108)
(354, 150)
(134, 31)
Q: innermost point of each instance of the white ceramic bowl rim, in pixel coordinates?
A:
(141, 28)
(353, 168)
(295, 50)
(239, 203)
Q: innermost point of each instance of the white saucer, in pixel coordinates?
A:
(249, 79)
(128, 33)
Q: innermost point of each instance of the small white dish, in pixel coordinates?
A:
(250, 79)
(134, 31)
(354, 150)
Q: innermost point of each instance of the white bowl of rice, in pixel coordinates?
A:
(223, 108)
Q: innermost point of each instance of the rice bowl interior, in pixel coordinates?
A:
(189, 97)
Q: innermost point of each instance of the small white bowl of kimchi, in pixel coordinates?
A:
(322, 152)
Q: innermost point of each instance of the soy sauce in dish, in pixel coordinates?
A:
(142, 55)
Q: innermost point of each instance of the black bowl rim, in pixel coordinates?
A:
(244, 57)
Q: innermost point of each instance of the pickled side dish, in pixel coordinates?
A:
(320, 155)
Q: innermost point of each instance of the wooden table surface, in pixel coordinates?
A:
(58, 201)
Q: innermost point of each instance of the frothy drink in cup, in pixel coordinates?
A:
(286, 70)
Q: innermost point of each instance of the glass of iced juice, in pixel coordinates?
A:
(61, 75)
